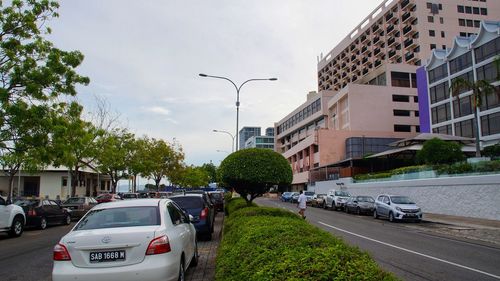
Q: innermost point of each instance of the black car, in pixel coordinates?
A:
(43, 212)
(360, 205)
(202, 211)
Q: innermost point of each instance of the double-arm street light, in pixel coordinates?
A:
(238, 88)
(226, 132)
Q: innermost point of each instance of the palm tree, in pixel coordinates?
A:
(480, 89)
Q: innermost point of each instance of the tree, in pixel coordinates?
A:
(114, 155)
(161, 160)
(492, 150)
(34, 74)
(191, 176)
(437, 151)
(480, 89)
(211, 170)
(253, 171)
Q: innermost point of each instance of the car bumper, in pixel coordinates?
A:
(33, 221)
(203, 227)
(406, 216)
(152, 268)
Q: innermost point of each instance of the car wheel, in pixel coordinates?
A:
(324, 205)
(375, 215)
(358, 211)
(67, 221)
(346, 210)
(43, 223)
(17, 227)
(391, 217)
(196, 256)
(182, 273)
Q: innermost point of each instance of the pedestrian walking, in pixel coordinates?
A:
(301, 204)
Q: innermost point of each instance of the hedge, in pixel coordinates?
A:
(234, 204)
(262, 243)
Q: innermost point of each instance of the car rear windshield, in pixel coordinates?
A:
(342, 193)
(216, 195)
(75, 201)
(103, 196)
(120, 217)
(27, 203)
(188, 202)
(401, 200)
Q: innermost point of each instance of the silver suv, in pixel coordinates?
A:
(336, 199)
(396, 207)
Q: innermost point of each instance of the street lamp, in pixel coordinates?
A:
(226, 132)
(238, 96)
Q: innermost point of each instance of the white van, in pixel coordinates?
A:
(336, 199)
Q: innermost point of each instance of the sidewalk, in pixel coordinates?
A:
(205, 270)
(463, 227)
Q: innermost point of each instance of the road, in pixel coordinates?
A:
(406, 249)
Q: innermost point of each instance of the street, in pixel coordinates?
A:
(406, 249)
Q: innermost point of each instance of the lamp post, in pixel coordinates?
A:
(238, 88)
(226, 132)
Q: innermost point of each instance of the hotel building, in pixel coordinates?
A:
(367, 86)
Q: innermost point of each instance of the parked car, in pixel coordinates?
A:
(396, 208)
(309, 196)
(130, 195)
(144, 239)
(79, 206)
(12, 218)
(218, 199)
(360, 205)
(318, 200)
(108, 197)
(202, 211)
(43, 212)
(294, 197)
(202, 192)
(286, 196)
(336, 199)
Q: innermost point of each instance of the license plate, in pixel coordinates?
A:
(107, 256)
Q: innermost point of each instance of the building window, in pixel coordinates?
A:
(468, 10)
(490, 124)
(432, 33)
(444, 47)
(465, 128)
(462, 107)
(430, 18)
(487, 72)
(466, 76)
(400, 79)
(415, 99)
(399, 112)
(484, 11)
(438, 73)
(441, 113)
(460, 9)
(463, 34)
(402, 128)
(442, 34)
(439, 92)
(477, 23)
(469, 23)
(417, 113)
(461, 62)
(417, 129)
(475, 10)
(487, 50)
(443, 130)
(441, 20)
(461, 22)
(433, 46)
(400, 98)
(491, 100)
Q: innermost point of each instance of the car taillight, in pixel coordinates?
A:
(61, 253)
(32, 212)
(158, 245)
(204, 213)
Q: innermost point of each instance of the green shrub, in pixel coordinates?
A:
(235, 204)
(437, 151)
(274, 244)
(457, 168)
(487, 166)
(370, 176)
(411, 169)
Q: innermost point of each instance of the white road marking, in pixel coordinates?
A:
(410, 251)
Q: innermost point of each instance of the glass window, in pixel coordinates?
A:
(490, 124)
(475, 10)
(487, 72)
(461, 62)
(120, 217)
(439, 92)
(465, 128)
(443, 130)
(400, 79)
(491, 100)
(462, 106)
(461, 22)
(484, 11)
(175, 215)
(432, 33)
(402, 128)
(467, 77)
(398, 112)
(468, 10)
(438, 73)
(487, 50)
(441, 113)
(460, 9)
(400, 98)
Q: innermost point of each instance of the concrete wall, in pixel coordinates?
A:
(470, 196)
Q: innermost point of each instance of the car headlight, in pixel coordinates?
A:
(399, 209)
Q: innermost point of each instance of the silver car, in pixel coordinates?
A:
(143, 239)
(396, 208)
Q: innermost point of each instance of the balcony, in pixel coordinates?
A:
(375, 28)
(364, 49)
(404, 4)
(390, 18)
(377, 63)
(390, 29)
(392, 53)
(376, 39)
(410, 43)
(409, 57)
(406, 17)
(353, 68)
(391, 41)
(365, 70)
(407, 29)
(376, 51)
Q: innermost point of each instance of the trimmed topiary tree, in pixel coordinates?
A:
(437, 151)
(253, 171)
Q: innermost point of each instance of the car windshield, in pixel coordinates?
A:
(120, 217)
(188, 202)
(309, 193)
(401, 200)
(287, 193)
(365, 199)
(129, 195)
(75, 201)
(342, 193)
(27, 203)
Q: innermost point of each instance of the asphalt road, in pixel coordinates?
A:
(405, 248)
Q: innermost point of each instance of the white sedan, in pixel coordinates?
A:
(143, 239)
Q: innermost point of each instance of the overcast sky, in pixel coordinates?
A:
(144, 58)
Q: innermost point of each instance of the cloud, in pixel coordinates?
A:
(157, 110)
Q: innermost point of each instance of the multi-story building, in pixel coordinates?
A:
(471, 58)
(260, 142)
(247, 132)
(367, 85)
(270, 132)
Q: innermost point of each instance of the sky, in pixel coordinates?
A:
(144, 57)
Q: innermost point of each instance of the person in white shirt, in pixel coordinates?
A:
(301, 204)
